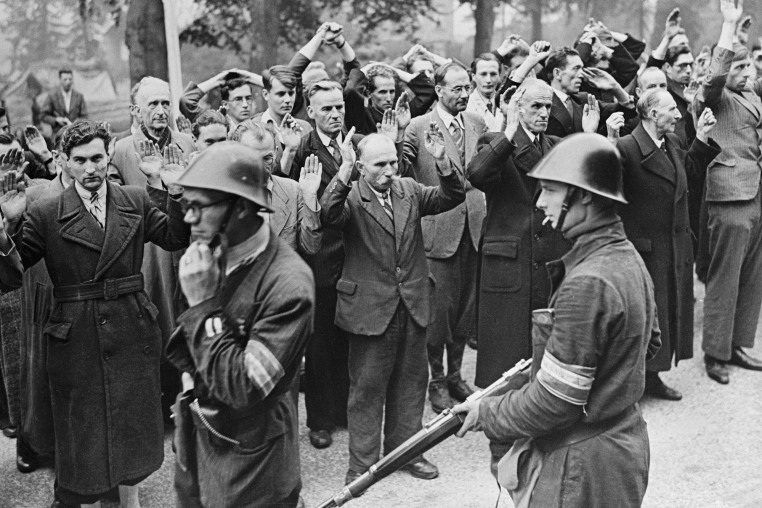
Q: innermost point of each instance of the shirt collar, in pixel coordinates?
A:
(249, 250)
(530, 134)
(85, 194)
(267, 118)
(447, 118)
(379, 195)
(326, 139)
(657, 142)
(561, 95)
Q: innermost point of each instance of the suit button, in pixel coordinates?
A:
(399, 285)
(536, 266)
(102, 320)
(537, 236)
(398, 269)
(536, 209)
(140, 315)
(147, 350)
(463, 212)
(106, 357)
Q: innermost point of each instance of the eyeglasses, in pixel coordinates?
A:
(458, 90)
(197, 208)
(240, 100)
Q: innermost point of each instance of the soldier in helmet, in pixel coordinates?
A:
(240, 343)
(580, 438)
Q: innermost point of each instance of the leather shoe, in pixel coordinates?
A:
(320, 439)
(439, 396)
(10, 432)
(27, 460)
(459, 390)
(421, 469)
(717, 369)
(655, 387)
(739, 358)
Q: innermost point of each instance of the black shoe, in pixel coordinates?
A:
(27, 460)
(439, 396)
(10, 432)
(473, 343)
(458, 389)
(320, 439)
(421, 469)
(717, 369)
(655, 387)
(59, 504)
(739, 358)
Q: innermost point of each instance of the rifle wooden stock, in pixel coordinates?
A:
(434, 432)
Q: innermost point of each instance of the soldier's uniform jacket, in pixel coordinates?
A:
(589, 359)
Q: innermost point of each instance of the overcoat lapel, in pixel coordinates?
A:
(451, 149)
(401, 209)
(330, 166)
(471, 138)
(281, 210)
(371, 205)
(678, 161)
(559, 111)
(748, 104)
(527, 155)
(122, 222)
(653, 159)
(77, 225)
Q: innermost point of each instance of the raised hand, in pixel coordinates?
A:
(173, 165)
(150, 160)
(539, 50)
(13, 161)
(591, 115)
(742, 30)
(672, 25)
(417, 48)
(690, 91)
(310, 176)
(706, 123)
(199, 272)
(332, 32)
(184, 125)
(599, 78)
(434, 141)
(13, 198)
(614, 123)
(402, 109)
(388, 125)
(588, 38)
(731, 12)
(36, 143)
(291, 132)
(348, 156)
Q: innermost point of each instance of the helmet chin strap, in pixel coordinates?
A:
(571, 191)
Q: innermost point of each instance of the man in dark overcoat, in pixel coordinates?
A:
(658, 173)
(514, 246)
(104, 344)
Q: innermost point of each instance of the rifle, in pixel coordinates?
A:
(434, 432)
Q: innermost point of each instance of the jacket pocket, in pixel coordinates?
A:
(427, 230)
(501, 267)
(346, 287)
(57, 328)
(642, 244)
(148, 305)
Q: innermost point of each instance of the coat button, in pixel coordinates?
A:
(106, 357)
(102, 320)
(536, 266)
(398, 269)
(140, 315)
(147, 350)
(463, 212)
(537, 236)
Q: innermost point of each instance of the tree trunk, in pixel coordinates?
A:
(484, 14)
(535, 12)
(264, 46)
(146, 40)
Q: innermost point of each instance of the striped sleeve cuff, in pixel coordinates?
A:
(571, 383)
(262, 368)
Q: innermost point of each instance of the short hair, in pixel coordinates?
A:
(441, 73)
(134, 93)
(674, 52)
(558, 59)
(287, 76)
(2, 111)
(379, 71)
(61, 72)
(324, 86)
(209, 117)
(367, 140)
(649, 70)
(741, 52)
(82, 132)
(756, 47)
(417, 57)
(648, 101)
(58, 139)
(484, 57)
(232, 84)
(6, 138)
(258, 129)
(534, 85)
(516, 50)
(148, 80)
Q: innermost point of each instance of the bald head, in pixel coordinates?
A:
(377, 161)
(535, 100)
(650, 78)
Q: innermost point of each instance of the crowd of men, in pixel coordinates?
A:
(545, 203)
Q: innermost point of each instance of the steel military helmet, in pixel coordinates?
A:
(587, 161)
(229, 167)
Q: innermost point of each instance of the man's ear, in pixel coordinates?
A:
(638, 92)
(586, 196)
(265, 94)
(310, 111)
(438, 90)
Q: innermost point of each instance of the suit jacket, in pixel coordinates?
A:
(159, 266)
(385, 260)
(561, 124)
(656, 220)
(443, 232)
(105, 351)
(291, 220)
(734, 175)
(515, 246)
(56, 106)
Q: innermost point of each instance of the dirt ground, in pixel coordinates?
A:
(706, 451)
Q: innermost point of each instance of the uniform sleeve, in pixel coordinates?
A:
(556, 397)
(239, 375)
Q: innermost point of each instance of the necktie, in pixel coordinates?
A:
(336, 152)
(537, 144)
(569, 108)
(387, 206)
(456, 131)
(95, 209)
(489, 107)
